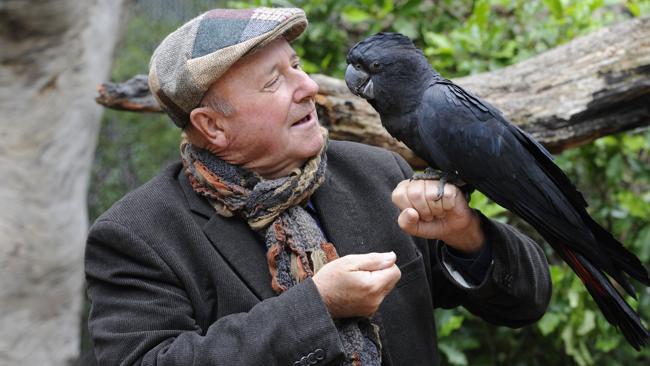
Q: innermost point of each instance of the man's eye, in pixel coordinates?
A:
(297, 66)
(272, 82)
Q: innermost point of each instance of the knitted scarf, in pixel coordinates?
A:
(295, 245)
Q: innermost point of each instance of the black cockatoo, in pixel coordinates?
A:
(466, 138)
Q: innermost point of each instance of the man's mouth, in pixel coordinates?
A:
(306, 119)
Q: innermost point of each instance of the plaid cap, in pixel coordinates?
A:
(195, 55)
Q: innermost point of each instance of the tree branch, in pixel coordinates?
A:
(593, 86)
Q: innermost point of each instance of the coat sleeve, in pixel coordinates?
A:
(140, 314)
(516, 289)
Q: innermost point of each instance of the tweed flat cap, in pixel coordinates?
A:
(194, 56)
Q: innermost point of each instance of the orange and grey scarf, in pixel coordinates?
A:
(296, 247)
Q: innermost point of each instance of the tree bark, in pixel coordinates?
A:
(593, 86)
(54, 53)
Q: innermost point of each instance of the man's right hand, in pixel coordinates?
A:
(355, 285)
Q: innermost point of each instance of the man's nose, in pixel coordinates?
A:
(307, 87)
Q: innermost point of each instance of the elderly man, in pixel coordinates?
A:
(270, 245)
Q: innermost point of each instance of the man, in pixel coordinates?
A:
(269, 245)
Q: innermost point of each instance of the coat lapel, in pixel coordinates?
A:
(339, 214)
(242, 248)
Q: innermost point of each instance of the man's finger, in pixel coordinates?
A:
(409, 221)
(370, 261)
(387, 277)
(446, 203)
(399, 195)
(434, 202)
(417, 196)
(450, 195)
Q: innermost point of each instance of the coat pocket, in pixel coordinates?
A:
(411, 271)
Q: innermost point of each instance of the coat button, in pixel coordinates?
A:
(312, 359)
(320, 354)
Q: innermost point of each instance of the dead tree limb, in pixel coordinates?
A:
(593, 86)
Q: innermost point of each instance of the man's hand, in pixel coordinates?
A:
(355, 285)
(449, 219)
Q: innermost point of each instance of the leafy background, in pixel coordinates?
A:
(459, 38)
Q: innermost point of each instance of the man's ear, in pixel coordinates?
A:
(208, 123)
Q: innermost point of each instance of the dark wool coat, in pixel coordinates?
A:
(172, 283)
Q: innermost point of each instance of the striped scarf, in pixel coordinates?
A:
(295, 245)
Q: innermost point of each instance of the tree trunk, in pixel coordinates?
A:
(593, 86)
(54, 53)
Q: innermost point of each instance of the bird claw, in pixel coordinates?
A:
(441, 188)
(428, 174)
(443, 178)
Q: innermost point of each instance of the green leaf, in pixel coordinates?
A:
(607, 343)
(557, 274)
(406, 27)
(409, 6)
(452, 323)
(549, 323)
(642, 243)
(634, 8)
(584, 352)
(588, 323)
(595, 5)
(354, 15)
(607, 141)
(467, 39)
(574, 298)
(387, 7)
(615, 168)
(556, 8)
(481, 14)
(309, 66)
(438, 40)
(490, 209)
(634, 143)
(634, 205)
(574, 348)
(507, 52)
(453, 354)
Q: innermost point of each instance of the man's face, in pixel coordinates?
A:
(273, 128)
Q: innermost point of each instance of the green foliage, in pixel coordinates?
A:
(459, 38)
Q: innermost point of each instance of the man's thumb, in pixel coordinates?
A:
(374, 261)
(408, 220)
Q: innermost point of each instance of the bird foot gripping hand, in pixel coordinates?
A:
(444, 178)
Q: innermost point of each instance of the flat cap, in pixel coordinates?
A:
(194, 56)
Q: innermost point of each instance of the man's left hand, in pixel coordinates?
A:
(449, 219)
